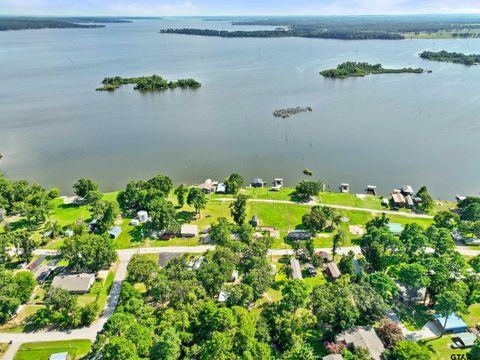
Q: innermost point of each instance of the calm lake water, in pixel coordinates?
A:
(385, 130)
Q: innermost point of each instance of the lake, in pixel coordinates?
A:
(385, 130)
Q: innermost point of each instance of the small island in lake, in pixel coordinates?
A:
(354, 69)
(147, 83)
(285, 113)
(451, 57)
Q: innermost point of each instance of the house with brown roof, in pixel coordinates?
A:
(333, 271)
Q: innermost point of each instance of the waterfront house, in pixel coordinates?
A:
(398, 199)
(257, 183)
(189, 231)
(296, 270)
(333, 271)
(209, 186)
(409, 201)
(115, 232)
(277, 184)
(455, 324)
(363, 337)
(407, 190)
(74, 283)
(299, 235)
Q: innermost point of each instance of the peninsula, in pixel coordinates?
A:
(147, 83)
(360, 69)
(451, 57)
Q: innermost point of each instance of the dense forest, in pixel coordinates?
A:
(290, 32)
(353, 69)
(147, 83)
(30, 23)
(346, 27)
(451, 57)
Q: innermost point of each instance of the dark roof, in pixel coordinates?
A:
(299, 235)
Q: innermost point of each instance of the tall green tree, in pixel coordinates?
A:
(426, 203)
(305, 190)
(339, 239)
(197, 199)
(233, 183)
(181, 192)
(238, 209)
(163, 215)
(84, 187)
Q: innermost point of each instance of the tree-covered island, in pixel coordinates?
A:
(451, 57)
(355, 69)
(147, 83)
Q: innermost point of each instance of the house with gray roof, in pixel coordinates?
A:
(363, 337)
(74, 283)
(297, 271)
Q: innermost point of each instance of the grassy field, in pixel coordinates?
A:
(42, 350)
(18, 323)
(440, 348)
(472, 318)
(282, 216)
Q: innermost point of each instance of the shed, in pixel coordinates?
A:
(142, 216)
(455, 324)
(299, 235)
(69, 233)
(467, 339)
(277, 184)
(59, 356)
(395, 228)
(221, 188)
(189, 230)
(115, 232)
(297, 272)
(333, 271)
(74, 283)
(273, 271)
(134, 222)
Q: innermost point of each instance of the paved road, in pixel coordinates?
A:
(342, 207)
(125, 255)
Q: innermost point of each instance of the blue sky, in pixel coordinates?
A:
(236, 7)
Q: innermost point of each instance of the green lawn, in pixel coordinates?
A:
(42, 350)
(440, 348)
(99, 291)
(473, 316)
(66, 214)
(18, 323)
(368, 201)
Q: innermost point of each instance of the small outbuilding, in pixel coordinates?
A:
(142, 216)
(221, 188)
(115, 232)
(296, 270)
(333, 271)
(371, 190)
(74, 283)
(257, 183)
(255, 222)
(463, 340)
(454, 324)
(189, 231)
(59, 356)
(69, 233)
(345, 188)
(395, 228)
(277, 184)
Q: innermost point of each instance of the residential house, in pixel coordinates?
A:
(209, 186)
(74, 283)
(189, 231)
(363, 337)
(299, 235)
(398, 199)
